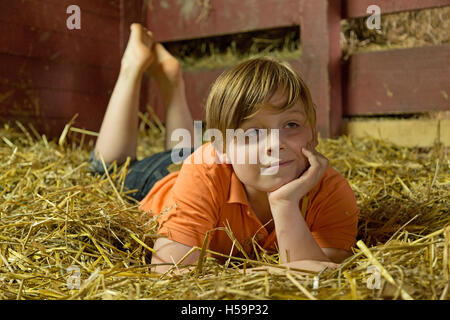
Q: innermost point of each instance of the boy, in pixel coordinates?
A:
(303, 206)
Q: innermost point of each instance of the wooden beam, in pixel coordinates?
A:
(48, 72)
(109, 8)
(173, 20)
(31, 102)
(358, 8)
(56, 47)
(399, 81)
(52, 17)
(321, 61)
(402, 132)
(37, 73)
(130, 11)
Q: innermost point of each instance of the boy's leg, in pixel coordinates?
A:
(166, 70)
(119, 130)
(118, 134)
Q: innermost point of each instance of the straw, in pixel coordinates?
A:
(55, 214)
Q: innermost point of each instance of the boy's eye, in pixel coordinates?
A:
(291, 125)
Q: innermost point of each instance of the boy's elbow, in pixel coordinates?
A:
(174, 270)
(336, 255)
(161, 268)
(171, 256)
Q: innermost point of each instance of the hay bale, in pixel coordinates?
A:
(54, 214)
(398, 31)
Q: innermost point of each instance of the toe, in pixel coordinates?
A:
(135, 27)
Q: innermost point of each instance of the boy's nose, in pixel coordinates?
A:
(274, 143)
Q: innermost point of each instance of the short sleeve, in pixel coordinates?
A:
(195, 201)
(336, 220)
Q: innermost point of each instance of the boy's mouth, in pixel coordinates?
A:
(279, 164)
(273, 168)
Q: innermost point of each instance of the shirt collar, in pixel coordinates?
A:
(237, 192)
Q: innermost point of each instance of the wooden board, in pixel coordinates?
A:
(48, 72)
(26, 101)
(109, 8)
(321, 61)
(398, 81)
(52, 16)
(49, 110)
(320, 64)
(130, 11)
(405, 132)
(358, 8)
(180, 20)
(36, 73)
(57, 47)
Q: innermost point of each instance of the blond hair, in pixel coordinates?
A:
(240, 92)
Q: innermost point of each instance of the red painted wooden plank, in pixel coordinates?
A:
(321, 61)
(179, 20)
(399, 81)
(31, 102)
(52, 16)
(48, 71)
(335, 67)
(109, 8)
(38, 73)
(50, 110)
(358, 8)
(130, 11)
(58, 47)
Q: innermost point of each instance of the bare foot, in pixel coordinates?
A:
(165, 69)
(140, 52)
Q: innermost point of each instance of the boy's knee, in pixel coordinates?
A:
(96, 165)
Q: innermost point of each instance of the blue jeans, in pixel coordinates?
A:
(142, 174)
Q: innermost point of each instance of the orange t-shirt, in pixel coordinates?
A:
(207, 196)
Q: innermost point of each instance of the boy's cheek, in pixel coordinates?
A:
(301, 155)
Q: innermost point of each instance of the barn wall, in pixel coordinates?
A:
(391, 82)
(49, 73)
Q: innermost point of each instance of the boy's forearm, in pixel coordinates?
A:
(295, 240)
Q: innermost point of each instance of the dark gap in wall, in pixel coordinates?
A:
(228, 49)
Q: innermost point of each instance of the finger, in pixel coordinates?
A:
(134, 26)
(319, 156)
(312, 157)
(318, 163)
(135, 31)
(323, 161)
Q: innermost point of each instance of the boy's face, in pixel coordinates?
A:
(286, 160)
